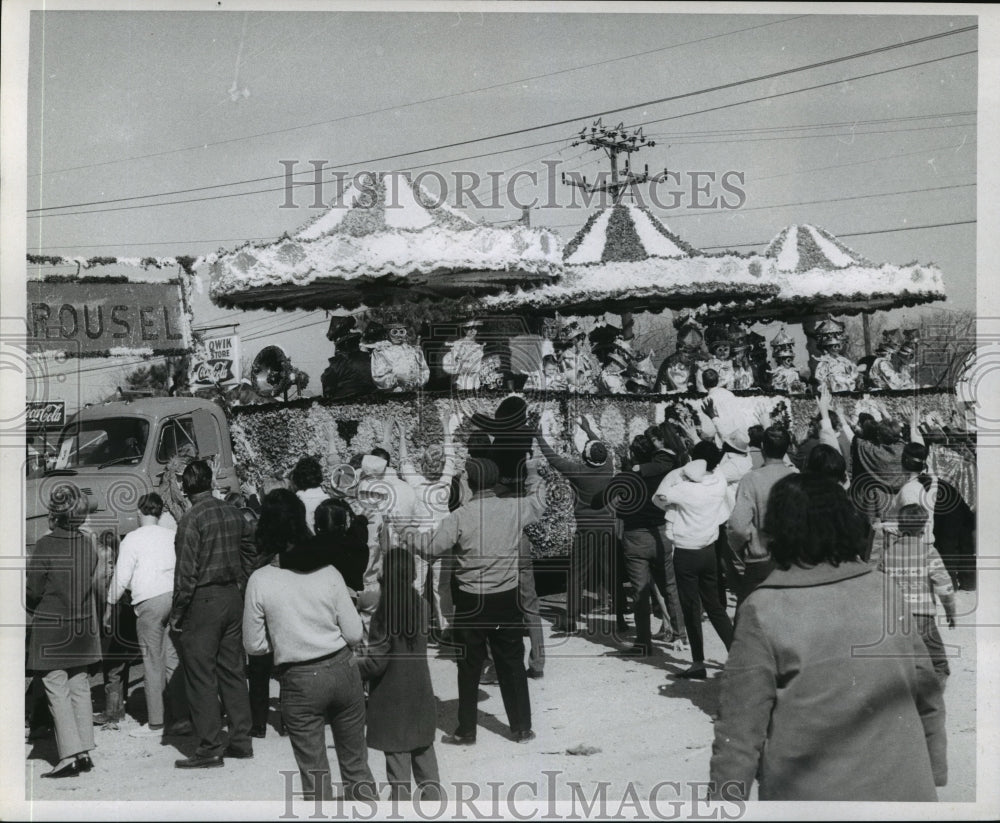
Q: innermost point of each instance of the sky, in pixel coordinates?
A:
(127, 106)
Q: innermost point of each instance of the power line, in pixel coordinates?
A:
(828, 200)
(851, 234)
(290, 330)
(824, 201)
(284, 323)
(416, 102)
(504, 151)
(852, 133)
(514, 219)
(572, 120)
(863, 162)
(808, 88)
(666, 135)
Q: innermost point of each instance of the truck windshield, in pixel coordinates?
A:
(96, 442)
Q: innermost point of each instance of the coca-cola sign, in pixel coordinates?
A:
(216, 362)
(44, 414)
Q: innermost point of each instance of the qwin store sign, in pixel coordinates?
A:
(216, 362)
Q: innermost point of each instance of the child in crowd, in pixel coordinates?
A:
(911, 561)
(402, 714)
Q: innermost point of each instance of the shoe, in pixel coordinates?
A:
(524, 736)
(105, 719)
(258, 731)
(196, 762)
(634, 651)
(147, 731)
(182, 728)
(458, 739)
(84, 763)
(696, 672)
(488, 677)
(238, 754)
(566, 626)
(535, 674)
(71, 769)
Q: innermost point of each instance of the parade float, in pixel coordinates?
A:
(434, 314)
(396, 253)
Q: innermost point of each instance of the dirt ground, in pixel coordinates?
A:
(641, 724)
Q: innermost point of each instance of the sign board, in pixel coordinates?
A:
(107, 317)
(216, 362)
(42, 415)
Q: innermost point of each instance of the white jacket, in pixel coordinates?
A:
(698, 501)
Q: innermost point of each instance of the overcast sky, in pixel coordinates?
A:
(129, 104)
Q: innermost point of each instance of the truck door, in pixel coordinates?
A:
(208, 439)
(199, 432)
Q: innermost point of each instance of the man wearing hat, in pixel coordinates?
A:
(833, 370)
(893, 369)
(784, 376)
(464, 357)
(400, 366)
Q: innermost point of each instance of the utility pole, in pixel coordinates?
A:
(614, 141)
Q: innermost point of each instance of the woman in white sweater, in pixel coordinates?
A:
(306, 618)
(695, 495)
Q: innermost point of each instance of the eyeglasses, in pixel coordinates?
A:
(398, 332)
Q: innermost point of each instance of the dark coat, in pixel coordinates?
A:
(511, 438)
(64, 630)
(348, 376)
(402, 713)
(630, 496)
(848, 710)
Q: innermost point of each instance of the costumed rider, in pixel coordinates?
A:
(784, 376)
(676, 372)
(463, 358)
(720, 345)
(398, 365)
(612, 379)
(893, 368)
(834, 370)
(492, 374)
(743, 373)
(577, 363)
(349, 374)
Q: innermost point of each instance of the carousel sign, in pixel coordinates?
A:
(98, 318)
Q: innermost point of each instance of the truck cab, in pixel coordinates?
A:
(116, 452)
